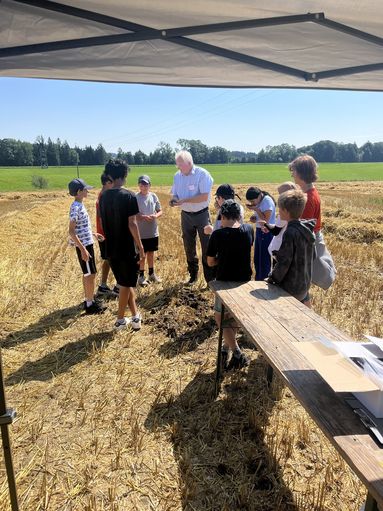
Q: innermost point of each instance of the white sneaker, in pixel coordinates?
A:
(136, 322)
(154, 278)
(142, 281)
(120, 324)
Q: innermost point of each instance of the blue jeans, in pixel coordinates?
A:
(262, 259)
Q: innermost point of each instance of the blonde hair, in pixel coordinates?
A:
(294, 202)
(287, 185)
(185, 156)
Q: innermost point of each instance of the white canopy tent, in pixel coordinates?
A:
(218, 43)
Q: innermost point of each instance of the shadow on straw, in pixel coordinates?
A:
(224, 460)
(57, 320)
(61, 360)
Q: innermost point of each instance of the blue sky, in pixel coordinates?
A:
(140, 116)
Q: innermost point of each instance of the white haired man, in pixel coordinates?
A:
(191, 193)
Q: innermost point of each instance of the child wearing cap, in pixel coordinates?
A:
(149, 210)
(81, 237)
(224, 192)
(229, 250)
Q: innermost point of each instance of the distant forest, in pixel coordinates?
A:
(48, 153)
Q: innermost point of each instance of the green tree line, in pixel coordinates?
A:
(48, 153)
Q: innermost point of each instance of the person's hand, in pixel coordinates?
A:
(253, 219)
(99, 237)
(208, 229)
(142, 253)
(85, 256)
(263, 227)
(152, 217)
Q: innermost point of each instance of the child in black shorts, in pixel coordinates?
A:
(150, 210)
(81, 237)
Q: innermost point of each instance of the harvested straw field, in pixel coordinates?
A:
(122, 421)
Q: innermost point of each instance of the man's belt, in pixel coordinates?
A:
(195, 212)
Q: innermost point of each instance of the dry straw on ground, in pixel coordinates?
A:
(128, 421)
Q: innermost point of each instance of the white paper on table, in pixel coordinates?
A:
(375, 340)
(358, 349)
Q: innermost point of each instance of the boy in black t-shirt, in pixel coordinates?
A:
(229, 249)
(118, 210)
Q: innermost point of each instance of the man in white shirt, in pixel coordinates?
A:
(191, 193)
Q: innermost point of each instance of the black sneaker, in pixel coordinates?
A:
(238, 362)
(103, 289)
(95, 308)
(224, 359)
(192, 280)
(115, 291)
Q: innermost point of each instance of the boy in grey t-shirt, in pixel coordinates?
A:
(150, 209)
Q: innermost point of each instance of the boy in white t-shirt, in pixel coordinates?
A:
(80, 232)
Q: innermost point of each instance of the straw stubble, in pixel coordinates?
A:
(128, 421)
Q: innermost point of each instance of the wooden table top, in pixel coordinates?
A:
(274, 321)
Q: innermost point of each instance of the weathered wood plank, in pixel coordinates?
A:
(274, 320)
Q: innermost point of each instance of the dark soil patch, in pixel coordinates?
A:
(185, 317)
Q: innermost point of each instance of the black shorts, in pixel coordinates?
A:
(125, 271)
(150, 244)
(88, 267)
(102, 246)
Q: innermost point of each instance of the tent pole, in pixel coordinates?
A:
(6, 418)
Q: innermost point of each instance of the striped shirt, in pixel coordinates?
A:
(198, 181)
(83, 229)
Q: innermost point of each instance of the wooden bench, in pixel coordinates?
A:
(274, 320)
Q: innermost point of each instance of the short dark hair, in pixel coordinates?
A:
(294, 202)
(116, 169)
(230, 210)
(253, 193)
(105, 178)
(306, 167)
(225, 191)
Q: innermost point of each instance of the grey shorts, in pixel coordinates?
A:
(228, 321)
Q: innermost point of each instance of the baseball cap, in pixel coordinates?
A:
(144, 179)
(76, 185)
(225, 191)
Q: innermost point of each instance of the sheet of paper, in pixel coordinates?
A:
(358, 349)
(375, 340)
